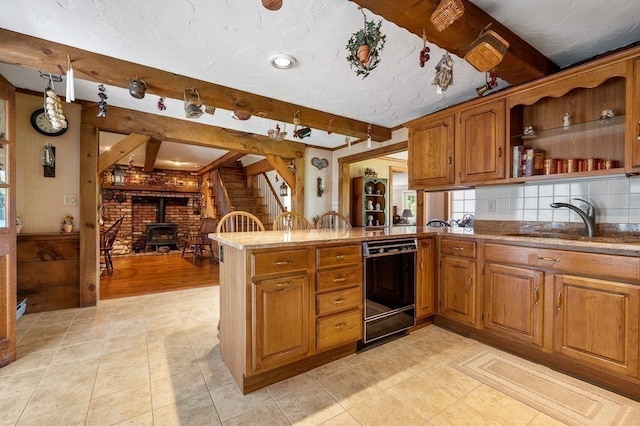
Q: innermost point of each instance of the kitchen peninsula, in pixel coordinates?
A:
(292, 301)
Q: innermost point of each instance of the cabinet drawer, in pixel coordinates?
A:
(340, 255)
(339, 329)
(339, 278)
(596, 264)
(458, 248)
(280, 262)
(340, 300)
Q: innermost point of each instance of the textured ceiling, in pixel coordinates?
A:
(229, 43)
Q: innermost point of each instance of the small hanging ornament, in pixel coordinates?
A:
(161, 105)
(424, 53)
(71, 91)
(330, 127)
(444, 74)
(102, 103)
(296, 121)
(369, 136)
(277, 178)
(347, 140)
(131, 161)
(492, 80)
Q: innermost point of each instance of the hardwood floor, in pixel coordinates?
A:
(155, 273)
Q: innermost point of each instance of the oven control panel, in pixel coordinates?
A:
(376, 248)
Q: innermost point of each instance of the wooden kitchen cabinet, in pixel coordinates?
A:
(482, 143)
(513, 304)
(281, 321)
(426, 278)
(431, 150)
(596, 323)
(632, 148)
(458, 281)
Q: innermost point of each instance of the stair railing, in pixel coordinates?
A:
(270, 196)
(222, 201)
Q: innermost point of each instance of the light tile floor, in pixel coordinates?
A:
(154, 360)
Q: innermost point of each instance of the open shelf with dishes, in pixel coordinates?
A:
(369, 206)
(545, 144)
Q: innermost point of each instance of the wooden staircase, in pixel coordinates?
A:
(241, 196)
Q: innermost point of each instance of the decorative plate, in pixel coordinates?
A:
(320, 163)
(108, 194)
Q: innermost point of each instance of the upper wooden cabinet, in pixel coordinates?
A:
(431, 153)
(478, 142)
(482, 143)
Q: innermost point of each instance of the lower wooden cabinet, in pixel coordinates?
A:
(514, 300)
(426, 278)
(458, 290)
(280, 313)
(596, 322)
(339, 329)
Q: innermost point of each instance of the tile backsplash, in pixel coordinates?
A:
(617, 200)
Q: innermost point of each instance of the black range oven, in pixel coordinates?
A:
(389, 294)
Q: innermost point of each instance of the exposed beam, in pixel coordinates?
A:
(281, 167)
(124, 147)
(258, 167)
(151, 154)
(47, 56)
(229, 157)
(521, 63)
(126, 121)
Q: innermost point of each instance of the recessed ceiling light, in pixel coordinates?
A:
(282, 61)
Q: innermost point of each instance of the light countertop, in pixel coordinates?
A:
(274, 239)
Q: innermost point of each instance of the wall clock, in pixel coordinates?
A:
(42, 124)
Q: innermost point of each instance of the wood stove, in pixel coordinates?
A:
(161, 234)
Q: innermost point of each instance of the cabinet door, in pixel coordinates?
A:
(513, 302)
(458, 290)
(431, 153)
(425, 279)
(482, 143)
(280, 321)
(596, 323)
(633, 120)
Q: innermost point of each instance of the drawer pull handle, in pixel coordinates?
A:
(339, 280)
(450, 162)
(341, 325)
(340, 301)
(535, 296)
(469, 283)
(548, 259)
(457, 248)
(282, 262)
(500, 153)
(559, 301)
(340, 256)
(284, 284)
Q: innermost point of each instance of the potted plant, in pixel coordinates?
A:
(18, 224)
(67, 224)
(364, 47)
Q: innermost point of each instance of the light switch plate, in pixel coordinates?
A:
(491, 205)
(70, 200)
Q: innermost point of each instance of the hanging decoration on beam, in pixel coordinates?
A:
(444, 74)
(330, 127)
(491, 82)
(424, 53)
(276, 133)
(70, 94)
(446, 13)
(364, 47)
(347, 140)
(192, 104)
(52, 104)
(161, 105)
(369, 136)
(102, 103)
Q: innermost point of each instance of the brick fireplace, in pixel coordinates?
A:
(164, 205)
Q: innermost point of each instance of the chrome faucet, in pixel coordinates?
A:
(588, 217)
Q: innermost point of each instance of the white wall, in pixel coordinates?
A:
(314, 205)
(40, 200)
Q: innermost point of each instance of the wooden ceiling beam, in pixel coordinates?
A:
(126, 121)
(121, 149)
(258, 167)
(521, 63)
(229, 157)
(282, 168)
(47, 56)
(151, 154)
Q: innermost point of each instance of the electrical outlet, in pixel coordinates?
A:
(70, 200)
(491, 205)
